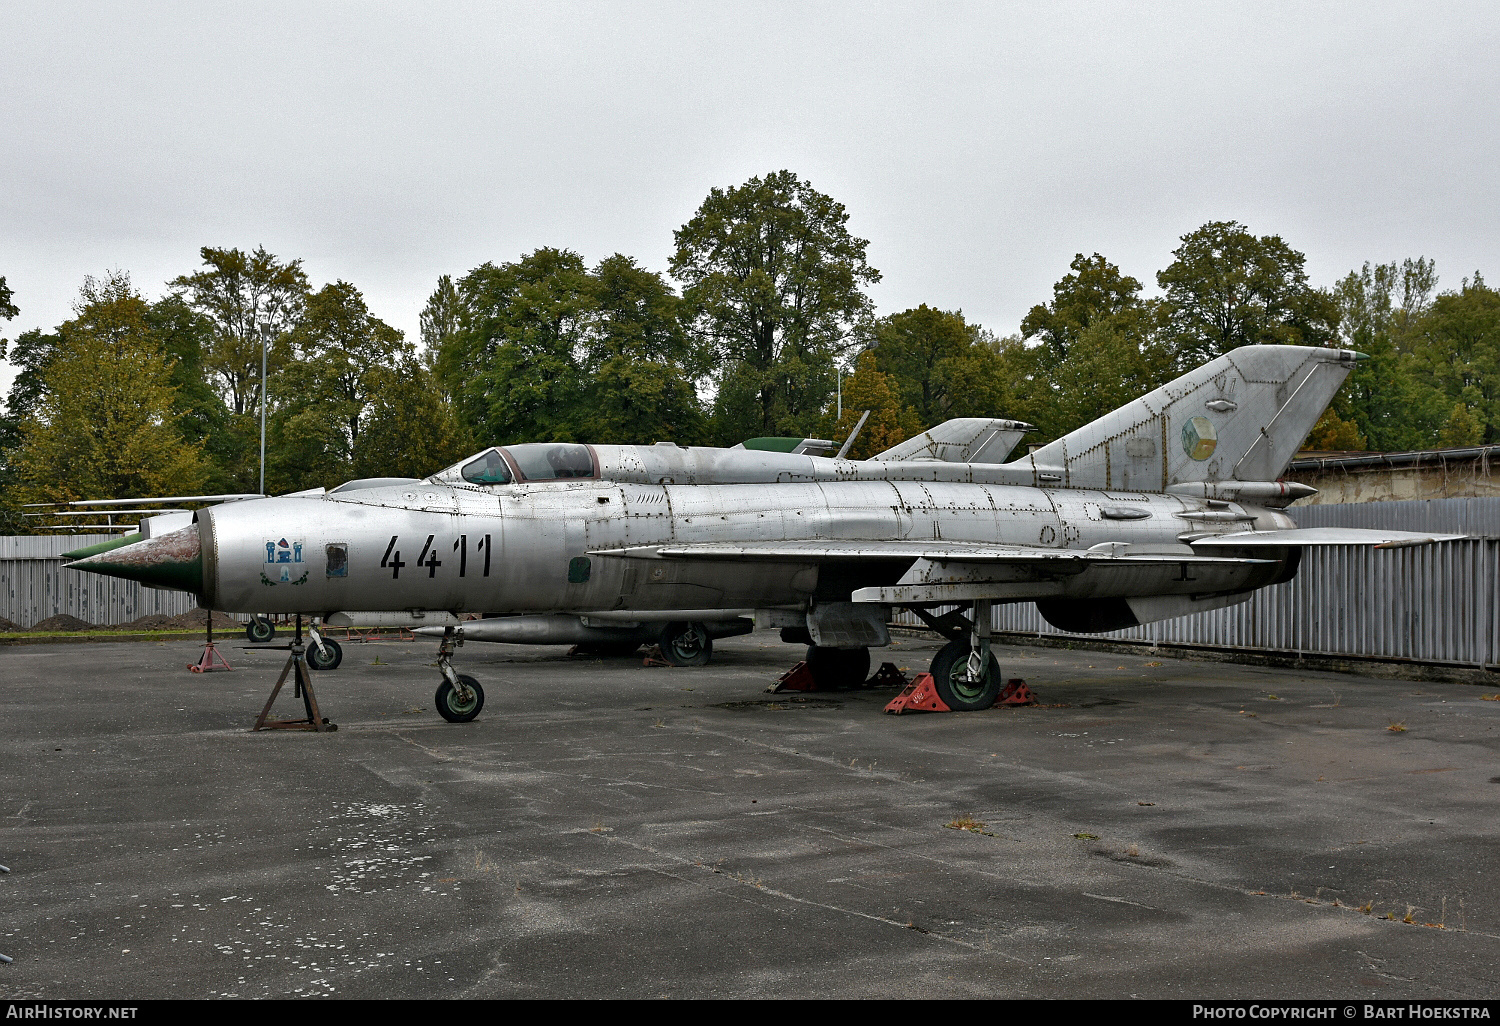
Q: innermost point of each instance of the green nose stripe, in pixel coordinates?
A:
(172, 561)
(104, 546)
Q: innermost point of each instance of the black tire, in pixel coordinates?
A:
(948, 669)
(834, 669)
(328, 659)
(260, 630)
(448, 706)
(686, 644)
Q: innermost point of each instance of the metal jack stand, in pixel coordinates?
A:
(296, 664)
(212, 659)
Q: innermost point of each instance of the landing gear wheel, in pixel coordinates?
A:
(834, 669)
(260, 630)
(686, 644)
(328, 659)
(950, 668)
(456, 707)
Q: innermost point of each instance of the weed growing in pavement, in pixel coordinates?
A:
(1397, 727)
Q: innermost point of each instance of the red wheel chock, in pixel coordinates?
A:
(888, 676)
(798, 678)
(1015, 692)
(211, 660)
(918, 696)
(921, 696)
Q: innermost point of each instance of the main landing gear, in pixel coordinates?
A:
(965, 673)
(686, 644)
(459, 697)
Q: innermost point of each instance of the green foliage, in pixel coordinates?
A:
(942, 366)
(7, 309)
(1227, 288)
(339, 348)
(890, 421)
(106, 423)
(1386, 402)
(511, 366)
(547, 350)
(1101, 346)
(203, 419)
(639, 364)
(410, 429)
(244, 295)
(1456, 348)
(440, 317)
(773, 283)
(1095, 292)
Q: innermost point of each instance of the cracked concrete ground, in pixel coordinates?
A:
(1157, 828)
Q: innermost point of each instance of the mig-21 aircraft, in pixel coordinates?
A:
(1168, 506)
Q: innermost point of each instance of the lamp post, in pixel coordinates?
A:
(264, 333)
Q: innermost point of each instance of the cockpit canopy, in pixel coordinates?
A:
(533, 461)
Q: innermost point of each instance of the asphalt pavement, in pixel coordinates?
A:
(1154, 828)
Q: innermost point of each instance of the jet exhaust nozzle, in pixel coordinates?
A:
(173, 561)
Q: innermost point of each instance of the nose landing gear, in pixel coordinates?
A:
(459, 697)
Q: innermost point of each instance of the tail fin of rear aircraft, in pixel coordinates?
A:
(962, 440)
(1239, 418)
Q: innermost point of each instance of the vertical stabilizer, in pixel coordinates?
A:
(962, 440)
(1240, 417)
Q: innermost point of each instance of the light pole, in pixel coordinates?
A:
(264, 332)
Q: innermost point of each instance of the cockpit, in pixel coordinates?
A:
(532, 461)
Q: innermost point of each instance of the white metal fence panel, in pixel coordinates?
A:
(34, 586)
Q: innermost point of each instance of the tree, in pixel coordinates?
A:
(340, 346)
(411, 429)
(8, 309)
(774, 286)
(1456, 348)
(1227, 288)
(941, 365)
(512, 366)
(244, 295)
(228, 448)
(1096, 291)
(440, 317)
(1383, 403)
(105, 422)
(890, 422)
(639, 363)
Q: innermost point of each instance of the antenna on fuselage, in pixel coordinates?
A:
(853, 435)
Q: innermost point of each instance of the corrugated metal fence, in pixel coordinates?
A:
(34, 586)
(1435, 604)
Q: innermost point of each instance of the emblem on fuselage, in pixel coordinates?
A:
(282, 557)
(1199, 438)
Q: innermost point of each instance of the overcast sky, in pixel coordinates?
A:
(977, 147)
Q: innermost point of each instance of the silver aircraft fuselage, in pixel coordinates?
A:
(575, 546)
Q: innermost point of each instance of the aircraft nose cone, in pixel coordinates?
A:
(172, 561)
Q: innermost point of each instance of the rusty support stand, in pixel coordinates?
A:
(296, 664)
(212, 659)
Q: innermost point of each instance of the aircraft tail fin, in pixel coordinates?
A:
(963, 440)
(1240, 417)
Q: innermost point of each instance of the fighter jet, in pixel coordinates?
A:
(1171, 505)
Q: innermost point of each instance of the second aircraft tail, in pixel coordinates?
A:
(1239, 418)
